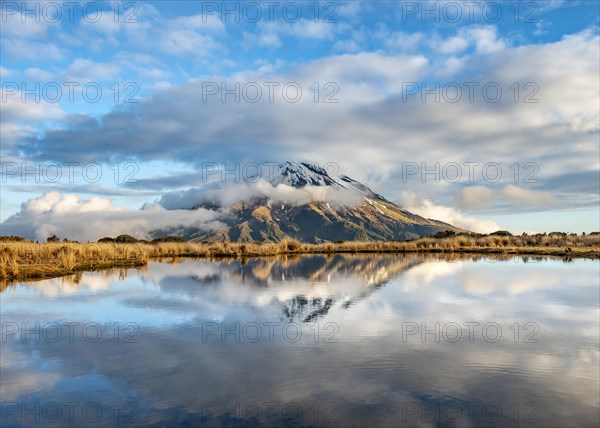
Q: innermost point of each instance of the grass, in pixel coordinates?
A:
(21, 260)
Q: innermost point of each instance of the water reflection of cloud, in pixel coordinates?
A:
(369, 373)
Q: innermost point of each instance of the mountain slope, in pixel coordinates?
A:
(343, 210)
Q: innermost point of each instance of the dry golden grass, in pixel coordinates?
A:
(28, 260)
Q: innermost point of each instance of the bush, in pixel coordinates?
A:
(106, 239)
(53, 238)
(501, 233)
(444, 234)
(125, 239)
(168, 239)
(12, 239)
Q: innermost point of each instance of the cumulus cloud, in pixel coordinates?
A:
(270, 33)
(475, 195)
(525, 195)
(170, 126)
(88, 220)
(425, 208)
(14, 110)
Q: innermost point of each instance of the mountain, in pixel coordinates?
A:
(313, 206)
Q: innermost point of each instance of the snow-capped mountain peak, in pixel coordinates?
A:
(300, 174)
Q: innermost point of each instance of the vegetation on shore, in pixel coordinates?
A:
(21, 259)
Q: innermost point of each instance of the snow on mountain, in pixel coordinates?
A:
(301, 174)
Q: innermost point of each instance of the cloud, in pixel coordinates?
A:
(475, 195)
(84, 71)
(229, 194)
(452, 45)
(485, 38)
(6, 72)
(28, 26)
(19, 49)
(88, 220)
(346, 46)
(68, 215)
(37, 74)
(184, 35)
(425, 208)
(177, 123)
(369, 132)
(401, 41)
(23, 107)
(528, 196)
(270, 33)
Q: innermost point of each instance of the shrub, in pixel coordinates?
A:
(168, 239)
(106, 239)
(125, 239)
(501, 233)
(12, 239)
(444, 234)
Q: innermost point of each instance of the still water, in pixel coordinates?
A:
(339, 341)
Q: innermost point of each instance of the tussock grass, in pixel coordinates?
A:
(22, 260)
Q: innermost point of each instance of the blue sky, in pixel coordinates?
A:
(390, 90)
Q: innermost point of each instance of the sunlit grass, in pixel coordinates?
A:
(23, 260)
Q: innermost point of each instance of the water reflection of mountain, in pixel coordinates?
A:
(307, 287)
(374, 270)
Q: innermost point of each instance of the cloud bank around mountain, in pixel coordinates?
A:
(229, 194)
(69, 216)
(425, 208)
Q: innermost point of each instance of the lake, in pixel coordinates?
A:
(339, 341)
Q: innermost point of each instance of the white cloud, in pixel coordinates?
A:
(485, 38)
(20, 107)
(346, 46)
(6, 72)
(88, 220)
(452, 45)
(270, 34)
(85, 70)
(194, 35)
(425, 208)
(401, 41)
(475, 195)
(38, 74)
(29, 26)
(21, 49)
(528, 196)
(228, 195)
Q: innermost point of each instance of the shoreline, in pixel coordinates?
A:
(22, 261)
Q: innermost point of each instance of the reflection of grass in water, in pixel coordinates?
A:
(23, 260)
